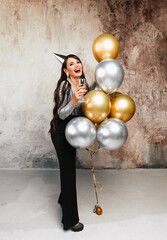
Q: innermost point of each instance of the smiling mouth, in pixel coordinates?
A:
(77, 70)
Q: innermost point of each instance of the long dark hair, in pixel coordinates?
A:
(65, 90)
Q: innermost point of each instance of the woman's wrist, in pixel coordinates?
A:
(74, 101)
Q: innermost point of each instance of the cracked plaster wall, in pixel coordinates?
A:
(31, 30)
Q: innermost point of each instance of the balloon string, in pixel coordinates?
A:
(95, 180)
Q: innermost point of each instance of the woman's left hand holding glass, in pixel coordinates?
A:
(79, 92)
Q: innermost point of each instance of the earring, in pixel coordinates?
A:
(67, 75)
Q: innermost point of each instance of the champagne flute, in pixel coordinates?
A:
(82, 83)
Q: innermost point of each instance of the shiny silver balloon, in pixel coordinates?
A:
(94, 86)
(109, 75)
(112, 134)
(80, 132)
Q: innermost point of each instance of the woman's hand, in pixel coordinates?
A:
(79, 92)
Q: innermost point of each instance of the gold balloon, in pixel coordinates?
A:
(122, 107)
(97, 106)
(98, 210)
(96, 126)
(114, 94)
(105, 46)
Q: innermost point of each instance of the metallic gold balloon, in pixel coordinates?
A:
(114, 94)
(97, 106)
(105, 46)
(98, 210)
(96, 126)
(122, 107)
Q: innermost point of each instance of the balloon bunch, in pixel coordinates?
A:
(105, 110)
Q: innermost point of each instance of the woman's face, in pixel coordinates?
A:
(74, 67)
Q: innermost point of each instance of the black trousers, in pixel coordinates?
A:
(67, 162)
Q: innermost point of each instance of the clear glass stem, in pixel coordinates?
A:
(81, 100)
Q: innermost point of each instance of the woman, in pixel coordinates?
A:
(67, 106)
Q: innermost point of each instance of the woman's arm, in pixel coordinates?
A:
(65, 109)
(67, 106)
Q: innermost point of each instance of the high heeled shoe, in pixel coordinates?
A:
(76, 228)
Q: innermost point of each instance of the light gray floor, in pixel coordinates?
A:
(134, 204)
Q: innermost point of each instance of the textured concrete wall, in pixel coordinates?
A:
(30, 30)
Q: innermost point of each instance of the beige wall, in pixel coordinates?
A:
(30, 31)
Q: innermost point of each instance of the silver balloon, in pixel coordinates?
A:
(112, 134)
(80, 132)
(94, 86)
(109, 75)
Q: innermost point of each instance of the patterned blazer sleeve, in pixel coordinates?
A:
(66, 107)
